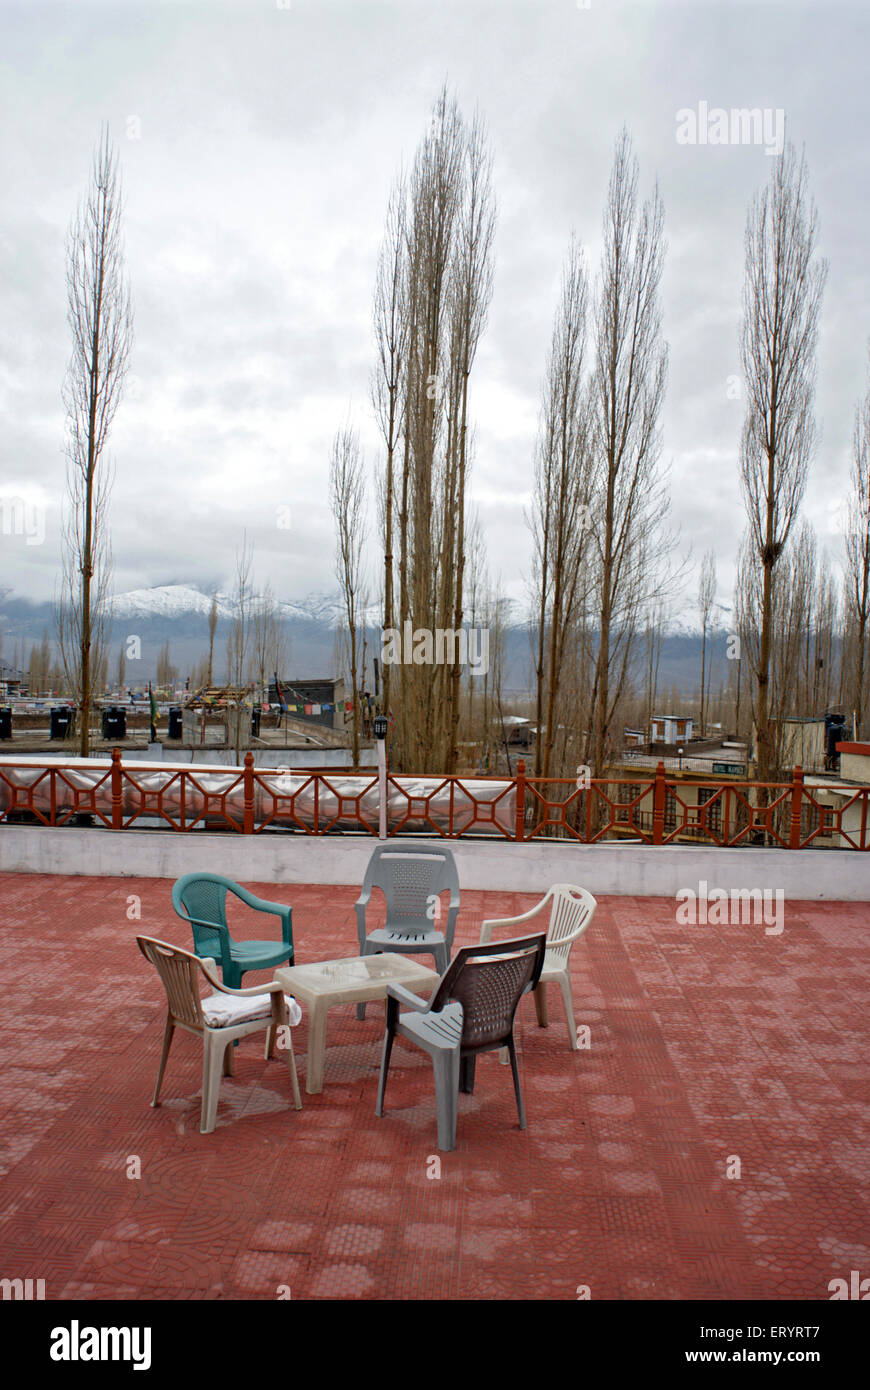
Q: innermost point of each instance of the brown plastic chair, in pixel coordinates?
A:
(218, 1021)
(471, 1011)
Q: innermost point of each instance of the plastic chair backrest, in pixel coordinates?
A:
(572, 908)
(179, 972)
(411, 877)
(488, 981)
(203, 896)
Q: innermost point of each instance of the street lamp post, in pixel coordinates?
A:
(380, 730)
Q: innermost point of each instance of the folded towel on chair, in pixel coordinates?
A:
(223, 1010)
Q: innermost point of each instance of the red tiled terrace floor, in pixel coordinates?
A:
(706, 1042)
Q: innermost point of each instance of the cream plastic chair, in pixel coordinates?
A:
(571, 912)
(219, 1019)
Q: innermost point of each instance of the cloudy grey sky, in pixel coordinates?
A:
(268, 137)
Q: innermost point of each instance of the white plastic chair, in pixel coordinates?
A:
(571, 912)
(219, 1019)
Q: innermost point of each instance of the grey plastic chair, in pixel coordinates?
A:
(471, 1011)
(411, 878)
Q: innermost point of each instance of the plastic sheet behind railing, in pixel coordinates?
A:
(199, 796)
(188, 798)
(54, 791)
(337, 801)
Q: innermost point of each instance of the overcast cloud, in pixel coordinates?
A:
(268, 138)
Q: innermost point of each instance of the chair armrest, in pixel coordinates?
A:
(281, 910)
(223, 933)
(260, 904)
(272, 987)
(452, 914)
(360, 906)
(404, 996)
(487, 926)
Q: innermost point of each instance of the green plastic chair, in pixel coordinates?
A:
(200, 900)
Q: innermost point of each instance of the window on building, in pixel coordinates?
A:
(708, 816)
(625, 813)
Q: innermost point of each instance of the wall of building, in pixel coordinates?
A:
(530, 868)
(855, 762)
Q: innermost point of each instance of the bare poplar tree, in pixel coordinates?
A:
(39, 666)
(653, 635)
(347, 496)
(212, 628)
(816, 591)
(434, 200)
(825, 626)
(268, 639)
(239, 638)
(439, 288)
(471, 282)
(782, 296)
(791, 606)
(628, 388)
(476, 603)
(391, 334)
(167, 674)
(100, 318)
(857, 589)
(706, 599)
(562, 500)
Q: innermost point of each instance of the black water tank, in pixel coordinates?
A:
(256, 714)
(61, 720)
(6, 721)
(175, 721)
(835, 732)
(113, 722)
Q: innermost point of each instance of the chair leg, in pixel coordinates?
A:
(466, 1074)
(291, 1067)
(385, 1066)
(568, 1001)
(211, 1081)
(361, 1008)
(521, 1110)
(271, 1033)
(442, 959)
(317, 1012)
(540, 994)
(446, 1067)
(168, 1033)
(229, 1068)
(233, 980)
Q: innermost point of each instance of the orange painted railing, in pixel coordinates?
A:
(655, 809)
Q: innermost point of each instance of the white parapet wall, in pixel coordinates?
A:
(637, 870)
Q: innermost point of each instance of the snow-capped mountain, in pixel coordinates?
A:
(177, 614)
(177, 601)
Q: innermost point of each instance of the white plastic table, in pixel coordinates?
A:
(354, 980)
